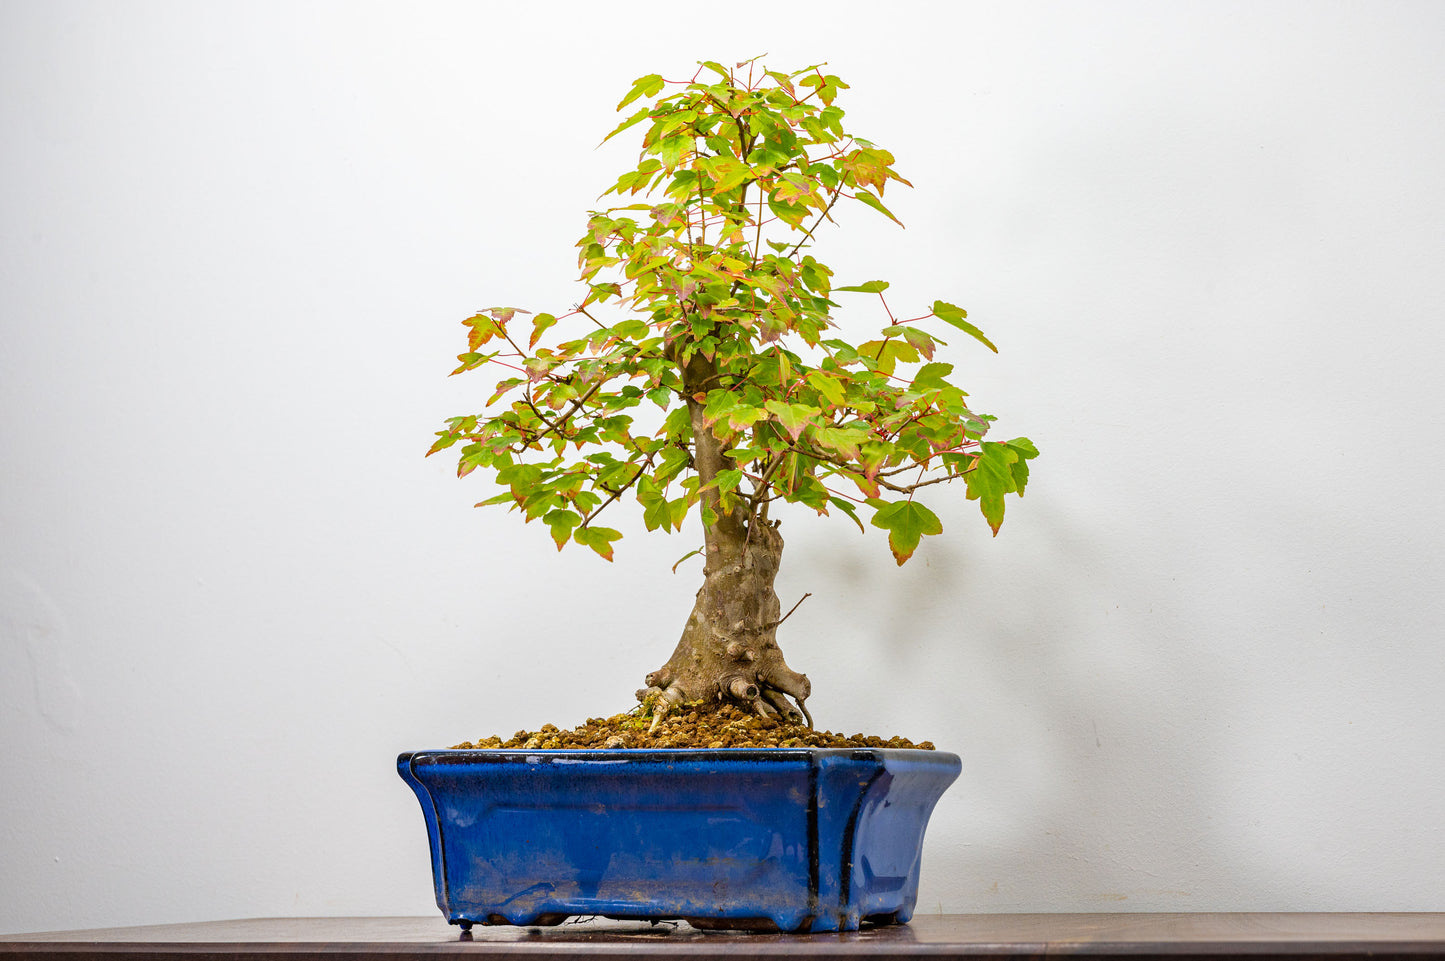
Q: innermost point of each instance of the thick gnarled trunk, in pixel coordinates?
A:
(729, 648)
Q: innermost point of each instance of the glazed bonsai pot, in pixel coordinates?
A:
(785, 839)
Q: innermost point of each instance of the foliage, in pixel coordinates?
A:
(702, 369)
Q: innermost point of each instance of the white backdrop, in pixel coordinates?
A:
(1200, 669)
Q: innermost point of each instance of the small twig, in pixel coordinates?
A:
(794, 608)
(641, 470)
(817, 223)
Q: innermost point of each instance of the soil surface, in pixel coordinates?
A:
(690, 727)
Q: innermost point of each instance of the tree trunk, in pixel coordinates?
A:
(729, 648)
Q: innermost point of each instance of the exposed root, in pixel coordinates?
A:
(739, 688)
(782, 696)
(663, 703)
(778, 704)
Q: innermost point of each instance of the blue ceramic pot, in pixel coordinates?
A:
(792, 839)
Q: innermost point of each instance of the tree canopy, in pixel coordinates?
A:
(701, 368)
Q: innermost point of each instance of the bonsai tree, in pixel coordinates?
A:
(701, 372)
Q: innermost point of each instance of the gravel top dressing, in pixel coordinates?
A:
(724, 726)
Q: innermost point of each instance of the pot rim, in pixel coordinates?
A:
(692, 753)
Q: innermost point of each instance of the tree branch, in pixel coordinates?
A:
(641, 470)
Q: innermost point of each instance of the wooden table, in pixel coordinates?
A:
(1178, 936)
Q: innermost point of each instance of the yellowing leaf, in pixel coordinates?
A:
(871, 287)
(539, 326)
(626, 123)
(673, 151)
(886, 353)
(648, 86)
(728, 173)
(869, 167)
(719, 313)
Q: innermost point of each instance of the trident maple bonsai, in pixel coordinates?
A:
(702, 371)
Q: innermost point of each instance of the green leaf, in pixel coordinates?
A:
(829, 386)
(561, 523)
(656, 514)
(791, 214)
(950, 314)
(719, 403)
(678, 424)
(718, 322)
(632, 329)
(630, 121)
(842, 440)
(1024, 446)
(678, 508)
(745, 455)
(672, 151)
(793, 417)
(1019, 474)
(742, 417)
(931, 376)
(991, 478)
(522, 478)
(876, 204)
(1020, 468)
(727, 480)
(920, 339)
(871, 287)
(727, 172)
(848, 509)
(648, 86)
(906, 522)
(598, 538)
(674, 459)
(444, 440)
(886, 353)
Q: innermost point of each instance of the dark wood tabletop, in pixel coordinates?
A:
(1177, 936)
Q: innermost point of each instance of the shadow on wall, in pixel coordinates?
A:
(1091, 713)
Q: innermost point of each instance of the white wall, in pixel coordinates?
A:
(1199, 670)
